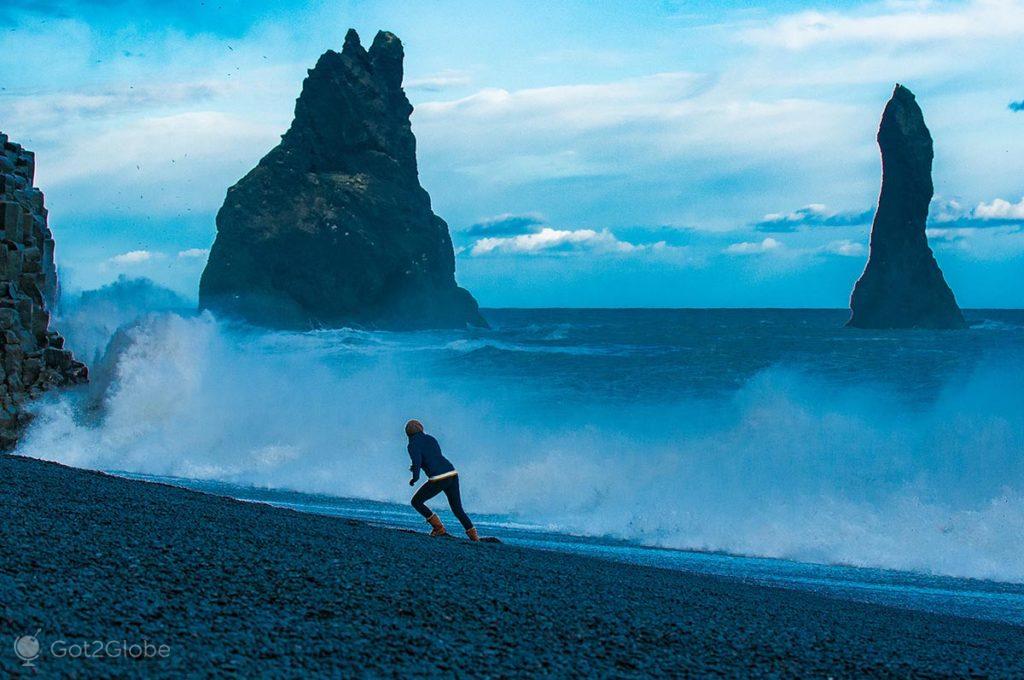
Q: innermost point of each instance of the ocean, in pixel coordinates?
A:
(773, 444)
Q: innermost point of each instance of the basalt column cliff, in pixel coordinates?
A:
(332, 227)
(902, 285)
(32, 356)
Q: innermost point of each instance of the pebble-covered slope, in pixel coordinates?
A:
(271, 592)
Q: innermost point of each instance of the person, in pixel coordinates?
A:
(442, 477)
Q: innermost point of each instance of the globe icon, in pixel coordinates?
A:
(27, 648)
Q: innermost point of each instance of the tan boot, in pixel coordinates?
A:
(438, 528)
(473, 536)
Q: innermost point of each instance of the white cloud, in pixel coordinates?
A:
(141, 166)
(134, 257)
(950, 234)
(813, 215)
(579, 106)
(676, 128)
(754, 247)
(61, 108)
(843, 247)
(898, 24)
(438, 81)
(997, 212)
(814, 210)
(947, 210)
(194, 253)
(1000, 209)
(144, 122)
(846, 248)
(761, 127)
(549, 240)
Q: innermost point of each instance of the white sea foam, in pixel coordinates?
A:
(786, 466)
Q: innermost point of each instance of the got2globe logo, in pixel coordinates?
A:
(27, 648)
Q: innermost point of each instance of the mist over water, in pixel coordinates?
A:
(772, 433)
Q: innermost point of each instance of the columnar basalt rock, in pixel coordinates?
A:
(332, 227)
(902, 285)
(32, 356)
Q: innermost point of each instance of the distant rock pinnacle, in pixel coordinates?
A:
(902, 285)
(332, 227)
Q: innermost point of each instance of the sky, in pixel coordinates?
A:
(598, 154)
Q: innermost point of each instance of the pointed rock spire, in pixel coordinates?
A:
(387, 55)
(902, 285)
(353, 47)
(332, 227)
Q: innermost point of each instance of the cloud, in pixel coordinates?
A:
(141, 167)
(671, 130)
(1001, 210)
(194, 253)
(579, 106)
(845, 247)
(153, 136)
(749, 129)
(990, 230)
(439, 81)
(1016, 107)
(996, 213)
(942, 212)
(841, 247)
(945, 210)
(901, 24)
(134, 257)
(66, 106)
(507, 224)
(753, 247)
(948, 233)
(671, 235)
(813, 215)
(559, 241)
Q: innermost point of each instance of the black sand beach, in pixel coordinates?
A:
(230, 586)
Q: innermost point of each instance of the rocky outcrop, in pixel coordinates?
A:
(332, 227)
(33, 356)
(902, 285)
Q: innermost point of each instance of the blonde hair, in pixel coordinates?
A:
(413, 427)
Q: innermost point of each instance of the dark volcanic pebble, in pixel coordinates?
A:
(243, 588)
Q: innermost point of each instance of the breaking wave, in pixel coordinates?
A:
(788, 463)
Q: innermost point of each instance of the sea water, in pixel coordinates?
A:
(973, 598)
(679, 435)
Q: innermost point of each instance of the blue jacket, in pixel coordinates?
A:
(426, 455)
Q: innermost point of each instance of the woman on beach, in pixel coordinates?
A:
(441, 477)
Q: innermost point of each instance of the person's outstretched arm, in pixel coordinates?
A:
(417, 459)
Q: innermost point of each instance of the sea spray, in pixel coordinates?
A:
(813, 450)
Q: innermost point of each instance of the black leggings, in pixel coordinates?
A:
(450, 487)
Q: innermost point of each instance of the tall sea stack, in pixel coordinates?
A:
(332, 227)
(32, 355)
(902, 285)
